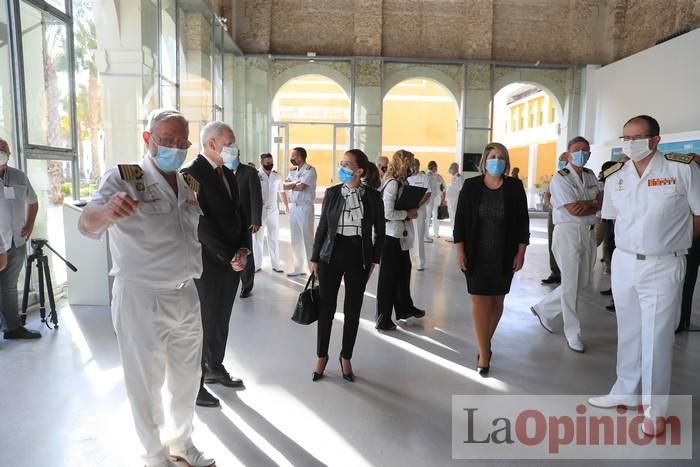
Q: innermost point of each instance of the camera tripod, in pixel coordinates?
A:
(44, 275)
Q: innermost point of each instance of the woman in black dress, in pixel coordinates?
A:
(491, 233)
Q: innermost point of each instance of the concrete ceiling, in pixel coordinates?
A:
(549, 31)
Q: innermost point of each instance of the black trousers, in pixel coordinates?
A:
(394, 283)
(346, 262)
(217, 290)
(691, 276)
(248, 275)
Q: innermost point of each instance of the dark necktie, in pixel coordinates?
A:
(220, 173)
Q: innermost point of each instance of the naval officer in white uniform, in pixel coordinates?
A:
(302, 183)
(654, 200)
(272, 190)
(152, 215)
(575, 199)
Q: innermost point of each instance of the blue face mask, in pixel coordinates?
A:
(561, 165)
(345, 175)
(233, 165)
(495, 167)
(579, 158)
(169, 159)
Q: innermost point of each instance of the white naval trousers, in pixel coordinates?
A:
(301, 229)
(573, 246)
(432, 216)
(419, 227)
(648, 305)
(159, 332)
(269, 231)
(452, 211)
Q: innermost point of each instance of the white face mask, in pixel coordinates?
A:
(229, 153)
(636, 149)
(4, 157)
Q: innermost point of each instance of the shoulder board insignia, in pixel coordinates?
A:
(613, 169)
(564, 172)
(678, 157)
(191, 182)
(586, 169)
(130, 171)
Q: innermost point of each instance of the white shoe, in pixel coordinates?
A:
(610, 401)
(295, 274)
(651, 428)
(542, 322)
(428, 240)
(192, 457)
(167, 463)
(576, 345)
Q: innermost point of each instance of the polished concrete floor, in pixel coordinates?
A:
(62, 399)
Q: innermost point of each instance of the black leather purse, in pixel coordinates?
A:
(308, 304)
(443, 213)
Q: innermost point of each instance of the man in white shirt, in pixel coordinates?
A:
(272, 190)
(419, 223)
(437, 187)
(302, 183)
(654, 200)
(152, 214)
(452, 192)
(576, 199)
(18, 209)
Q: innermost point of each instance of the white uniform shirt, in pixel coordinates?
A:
(158, 245)
(435, 180)
(652, 213)
(396, 222)
(271, 185)
(15, 195)
(307, 175)
(569, 188)
(454, 188)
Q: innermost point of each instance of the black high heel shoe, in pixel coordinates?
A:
(483, 370)
(346, 376)
(317, 376)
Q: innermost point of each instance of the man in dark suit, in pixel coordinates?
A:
(226, 244)
(251, 204)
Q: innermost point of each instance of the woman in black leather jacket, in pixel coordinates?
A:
(348, 240)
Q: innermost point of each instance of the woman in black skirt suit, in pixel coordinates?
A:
(491, 233)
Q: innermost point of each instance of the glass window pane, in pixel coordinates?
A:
(46, 82)
(59, 4)
(6, 116)
(88, 91)
(168, 44)
(52, 181)
(149, 44)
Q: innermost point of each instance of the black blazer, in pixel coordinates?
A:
(251, 193)
(222, 229)
(332, 209)
(517, 220)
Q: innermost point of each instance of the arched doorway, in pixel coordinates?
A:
(526, 119)
(311, 111)
(420, 115)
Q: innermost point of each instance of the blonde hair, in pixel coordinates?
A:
(401, 161)
(498, 147)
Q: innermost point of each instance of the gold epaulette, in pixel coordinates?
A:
(130, 171)
(613, 169)
(678, 157)
(564, 172)
(191, 182)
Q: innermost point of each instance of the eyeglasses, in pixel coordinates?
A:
(634, 138)
(172, 142)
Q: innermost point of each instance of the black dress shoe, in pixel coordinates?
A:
(483, 370)
(418, 313)
(606, 292)
(386, 327)
(222, 377)
(206, 399)
(246, 293)
(22, 333)
(611, 308)
(552, 280)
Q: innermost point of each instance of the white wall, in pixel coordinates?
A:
(663, 81)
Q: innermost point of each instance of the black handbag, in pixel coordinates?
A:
(443, 213)
(308, 304)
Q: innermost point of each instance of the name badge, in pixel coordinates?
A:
(9, 192)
